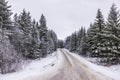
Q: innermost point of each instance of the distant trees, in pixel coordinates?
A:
(77, 42)
(60, 44)
(67, 42)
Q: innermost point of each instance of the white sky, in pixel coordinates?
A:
(64, 16)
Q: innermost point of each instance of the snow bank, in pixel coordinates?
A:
(37, 67)
(113, 71)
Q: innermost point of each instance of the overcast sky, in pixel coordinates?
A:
(64, 16)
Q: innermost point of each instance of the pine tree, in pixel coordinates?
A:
(79, 36)
(81, 42)
(112, 38)
(52, 41)
(16, 39)
(50, 44)
(25, 26)
(95, 39)
(73, 45)
(35, 51)
(43, 36)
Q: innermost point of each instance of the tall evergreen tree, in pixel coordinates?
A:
(81, 42)
(43, 36)
(79, 36)
(112, 36)
(73, 45)
(52, 41)
(95, 39)
(16, 39)
(35, 51)
(25, 26)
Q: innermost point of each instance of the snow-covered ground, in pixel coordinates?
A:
(33, 68)
(51, 63)
(114, 69)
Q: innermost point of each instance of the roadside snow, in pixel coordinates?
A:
(39, 68)
(33, 68)
(113, 71)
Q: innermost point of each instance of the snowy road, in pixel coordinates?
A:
(66, 67)
(76, 70)
(71, 69)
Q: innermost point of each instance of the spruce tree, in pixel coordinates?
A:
(43, 36)
(79, 37)
(16, 39)
(112, 36)
(50, 44)
(95, 39)
(35, 51)
(82, 44)
(73, 41)
(25, 26)
(52, 41)
(100, 24)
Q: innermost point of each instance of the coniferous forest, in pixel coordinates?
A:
(23, 38)
(101, 40)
